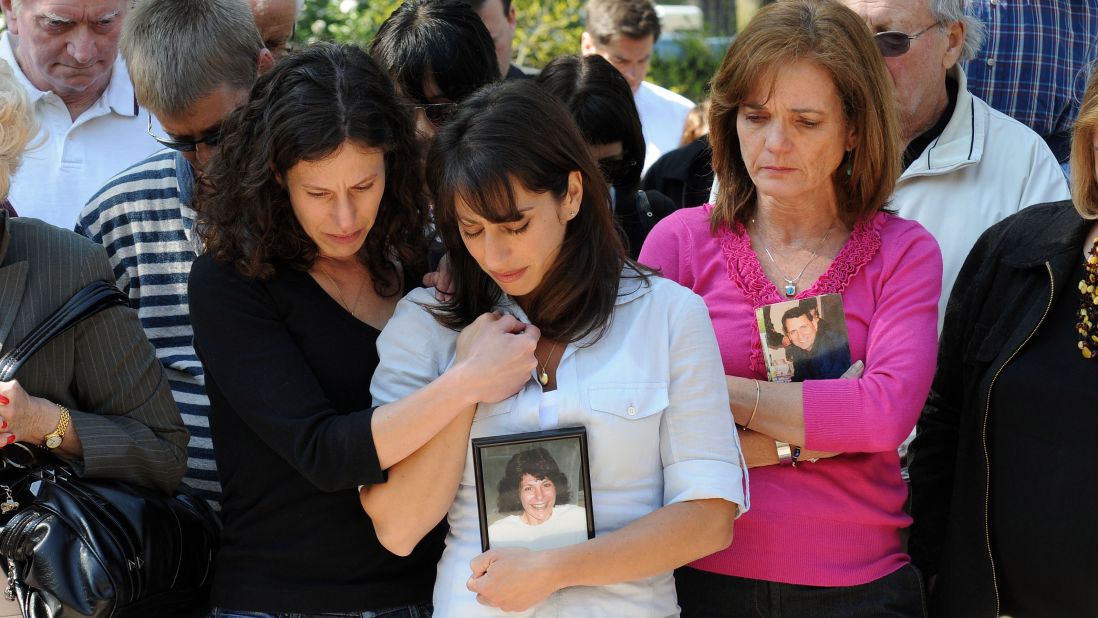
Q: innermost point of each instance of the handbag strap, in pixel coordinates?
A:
(90, 300)
(644, 212)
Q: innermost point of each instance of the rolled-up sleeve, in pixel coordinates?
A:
(701, 452)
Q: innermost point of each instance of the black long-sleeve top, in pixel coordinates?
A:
(288, 375)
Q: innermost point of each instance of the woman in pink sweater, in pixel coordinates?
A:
(806, 149)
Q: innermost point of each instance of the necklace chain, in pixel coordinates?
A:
(1087, 327)
(791, 282)
(353, 310)
(543, 375)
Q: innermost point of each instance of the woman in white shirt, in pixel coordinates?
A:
(525, 215)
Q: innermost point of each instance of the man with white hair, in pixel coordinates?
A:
(966, 165)
(65, 54)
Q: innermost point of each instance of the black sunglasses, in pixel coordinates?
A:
(212, 139)
(614, 168)
(438, 114)
(895, 43)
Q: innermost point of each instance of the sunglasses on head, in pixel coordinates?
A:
(895, 43)
(212, 139)
(438, 114)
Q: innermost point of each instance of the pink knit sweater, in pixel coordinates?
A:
(835, 522)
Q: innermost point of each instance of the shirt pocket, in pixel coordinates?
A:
(633, 401)
(624, 437)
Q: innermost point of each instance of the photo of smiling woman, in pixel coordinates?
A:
(539, 494)
(632, 358)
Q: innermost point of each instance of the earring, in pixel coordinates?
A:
(849, 163)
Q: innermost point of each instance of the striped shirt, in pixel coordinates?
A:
(144, 220)
(1035, 63)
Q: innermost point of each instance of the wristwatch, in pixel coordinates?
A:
(53, 440)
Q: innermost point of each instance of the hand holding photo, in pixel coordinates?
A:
(533, 489)
(804, 339)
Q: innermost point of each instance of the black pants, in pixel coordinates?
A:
(709, 595)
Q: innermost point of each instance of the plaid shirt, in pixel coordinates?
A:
(1036, 61)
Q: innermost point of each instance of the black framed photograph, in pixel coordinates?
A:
(534, 489)
(805, 339)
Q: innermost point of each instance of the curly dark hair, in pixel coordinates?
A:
(305, 109)
(538, 463)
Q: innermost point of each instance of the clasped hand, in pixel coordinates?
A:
(496, 352)
(23, 416)
(512, 579)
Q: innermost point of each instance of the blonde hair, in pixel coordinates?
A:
(17, 126)
(1084, 185)
(837, 39)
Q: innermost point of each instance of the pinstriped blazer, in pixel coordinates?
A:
(103, 369)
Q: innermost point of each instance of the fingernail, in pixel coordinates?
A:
(11, 439)
(4, 400)
(3, 424)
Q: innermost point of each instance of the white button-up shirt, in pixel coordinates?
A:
(69, 161)
(663, 117)
(652, 395)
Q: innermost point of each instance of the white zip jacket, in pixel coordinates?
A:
(984, 167)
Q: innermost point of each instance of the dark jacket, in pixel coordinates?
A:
(1004, 291)
(685, 174)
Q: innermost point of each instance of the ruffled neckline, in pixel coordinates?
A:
(744, 269)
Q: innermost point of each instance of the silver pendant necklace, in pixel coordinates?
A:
(790, 288)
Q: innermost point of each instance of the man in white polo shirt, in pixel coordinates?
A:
(65, 53)
(624, 32)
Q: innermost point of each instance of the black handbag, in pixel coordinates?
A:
(96, 547)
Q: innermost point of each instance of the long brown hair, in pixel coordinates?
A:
(304, 109)
(833, 36)
(517, 131)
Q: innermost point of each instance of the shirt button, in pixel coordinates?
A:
(631, 411)
(990, 62)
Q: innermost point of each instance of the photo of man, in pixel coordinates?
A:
(814, 344)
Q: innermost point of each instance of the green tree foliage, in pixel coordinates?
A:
(687, 73)
(546, 29)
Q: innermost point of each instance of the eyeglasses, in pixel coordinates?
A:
(438, 114)
(614, 168)
(212, 139)
(895, 43)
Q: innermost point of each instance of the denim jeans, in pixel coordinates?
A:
(422, 610)
(710, 595)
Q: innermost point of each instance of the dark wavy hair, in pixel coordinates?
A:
(442, 39)
(602, 103)
(304, 109)
(538, 463)
(493, 141)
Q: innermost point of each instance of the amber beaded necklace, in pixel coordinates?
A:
(1088, 307)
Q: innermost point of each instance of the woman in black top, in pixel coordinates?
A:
(602, 105)
(313, 222)
(1002, 475)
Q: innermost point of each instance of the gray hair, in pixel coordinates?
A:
(178, 51)
(950, 11)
